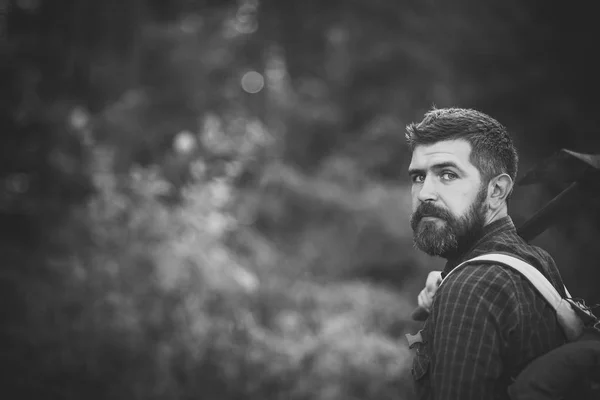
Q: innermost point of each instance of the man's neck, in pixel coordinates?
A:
(495, 215)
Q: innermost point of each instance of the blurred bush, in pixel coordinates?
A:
(151, 304)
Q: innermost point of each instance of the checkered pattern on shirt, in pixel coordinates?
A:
(486, 323)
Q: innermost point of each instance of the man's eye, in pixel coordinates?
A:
(449, 176)
(418, 178)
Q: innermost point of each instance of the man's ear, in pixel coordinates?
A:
(500, 188)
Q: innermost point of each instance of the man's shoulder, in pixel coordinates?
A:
(535, 256)
(477, 271)
(483, 277)
(495, 279)
(542, 255)
(541, 260)
(479, 288)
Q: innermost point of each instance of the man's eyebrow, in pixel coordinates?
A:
(446, 164)
(442, 165)
(415, 171)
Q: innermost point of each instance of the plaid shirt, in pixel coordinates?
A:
(486, 322)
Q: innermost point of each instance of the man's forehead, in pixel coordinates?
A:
(457, 151)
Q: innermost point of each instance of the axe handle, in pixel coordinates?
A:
(540, 220)
(528, 231)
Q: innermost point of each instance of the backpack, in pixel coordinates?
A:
(569, 370)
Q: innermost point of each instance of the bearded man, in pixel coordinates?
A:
(486, 322)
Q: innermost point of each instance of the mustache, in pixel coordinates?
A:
(430, 210)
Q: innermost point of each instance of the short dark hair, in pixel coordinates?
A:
(492, 153)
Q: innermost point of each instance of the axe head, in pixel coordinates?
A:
(565, 166)
(580, 171)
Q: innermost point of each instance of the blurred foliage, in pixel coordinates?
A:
(208, 198)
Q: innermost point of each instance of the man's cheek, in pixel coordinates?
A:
(415, 204)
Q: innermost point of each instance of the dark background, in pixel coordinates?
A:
(174, 228)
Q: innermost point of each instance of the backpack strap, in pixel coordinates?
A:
(534, 276)
(569, 320)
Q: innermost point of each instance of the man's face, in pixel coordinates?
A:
(448, 198)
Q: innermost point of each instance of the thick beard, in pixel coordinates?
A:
(455, 234)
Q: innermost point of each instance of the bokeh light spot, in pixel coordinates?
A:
(185, 142)
(252, 82)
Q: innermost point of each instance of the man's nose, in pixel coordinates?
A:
(427, 191)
